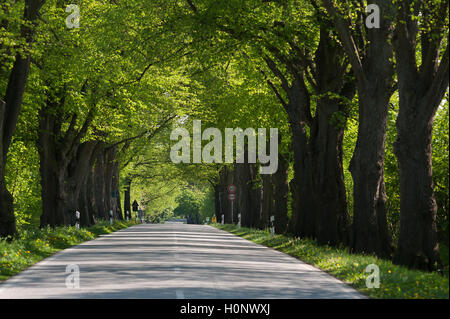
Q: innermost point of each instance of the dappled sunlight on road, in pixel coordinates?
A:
(175, 260)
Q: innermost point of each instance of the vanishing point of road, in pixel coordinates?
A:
(174, 261)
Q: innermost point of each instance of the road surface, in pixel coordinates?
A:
(173, 261)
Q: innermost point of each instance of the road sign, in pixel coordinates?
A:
(232, 188)
(272, 225)
(231, 196)
(135, 206)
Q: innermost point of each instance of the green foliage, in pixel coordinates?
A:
(160, 217)
(138, 63)
(23, 177)
(194, 204)
(441, 168)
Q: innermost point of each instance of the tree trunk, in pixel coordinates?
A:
(418, 244)
(228, 214)
(255, 196)
(303, 220)
(9, 113)
(329, 193)
(64, 165)
(267, 205)
(369, 230)
(319, 208)
(127, 199)
(372, 67)
(243, 200)
(90, 192)
(115, 185)
(75, 182)
(100, 184)
(421, 90)
(217, 201)
(280, 195)
(53, 168)
(7, 219)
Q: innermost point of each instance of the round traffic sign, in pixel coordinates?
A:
(231, 196)
(232, 188)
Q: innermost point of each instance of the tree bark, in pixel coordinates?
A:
(371, 60)
(319, 208)
(255, 196)
(100, 183)
(217, 200)
(421, 90)
(127, 199)
(75, 182)
(418, 242)
(64, 165)
(267, 204)
(280, 195)
(243, 200)
(9, 113)
(369, 229)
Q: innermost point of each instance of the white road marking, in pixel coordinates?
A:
(180, 294)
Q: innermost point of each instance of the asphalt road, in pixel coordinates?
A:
(173, 261)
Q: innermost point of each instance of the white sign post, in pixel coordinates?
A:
(77, 222)
(128, 214)
(272, 225)
(239, 220)
(232, 197)
(110, 217)
(223, 219)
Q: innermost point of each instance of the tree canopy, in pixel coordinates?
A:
(87, 111)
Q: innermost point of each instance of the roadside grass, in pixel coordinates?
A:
(396, 282)
(35, 244)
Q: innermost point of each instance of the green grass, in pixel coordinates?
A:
(395, 281)
(33, 244)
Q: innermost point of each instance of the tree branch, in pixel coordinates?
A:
(347, 40)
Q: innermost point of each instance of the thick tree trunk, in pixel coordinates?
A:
(90, 192)
(115, 185)
(217, 201)
(330, 200)
(280, 195)
(53, 169)
(106, 181)
(127, 199)
(7, 219)
(418, 244)
(318, 189)
(369, 230)
(64, 165)
(267, 204)
(373, 69)
(75, 182)
(255, 196)
(228, 204)
(421, 90)
(225, 179)
(243, 200)
(303, 220)
(9, 113)
(100, 184)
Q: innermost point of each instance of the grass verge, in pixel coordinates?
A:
(396, 282)
(33, 245)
